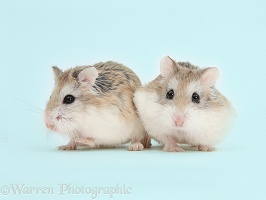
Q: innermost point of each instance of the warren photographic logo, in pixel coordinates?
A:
(65, 190)
(22, 189)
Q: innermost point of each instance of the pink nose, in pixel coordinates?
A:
(179, 121)
(49, 124)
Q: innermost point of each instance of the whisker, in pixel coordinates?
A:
(30, 105)
(32, 110)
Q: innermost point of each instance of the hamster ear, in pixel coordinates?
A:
(167, 66)
(57, 71)
(88, 75)
(210, 76)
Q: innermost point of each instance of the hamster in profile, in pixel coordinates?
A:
(93, 106)
(183, 106)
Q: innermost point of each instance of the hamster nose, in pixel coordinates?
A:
(50, 125)
(179, 121)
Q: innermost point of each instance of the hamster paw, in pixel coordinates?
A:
(173, 149)
(137, 146)
(206, 148)
(67, 147)
(85, 142)
(146, 141)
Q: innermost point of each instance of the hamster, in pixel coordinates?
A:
(182, 106)
(93, 106)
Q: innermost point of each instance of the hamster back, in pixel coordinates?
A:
(114, 77)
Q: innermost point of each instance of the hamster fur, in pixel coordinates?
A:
(183, 106)
(93, 106)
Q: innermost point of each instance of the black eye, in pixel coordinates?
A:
(195, 98)
(69, 99)
(170, 94)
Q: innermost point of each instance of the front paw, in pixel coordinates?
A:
(206, 148)
(173, 149)
(137, 146)
(67, 147)
(85, 142)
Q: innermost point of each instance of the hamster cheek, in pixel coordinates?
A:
(73, 120)
(195, 120)
(202, 128)
(168, 114)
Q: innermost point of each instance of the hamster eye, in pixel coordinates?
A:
(69, 99)
(170, 94)
(195, 98)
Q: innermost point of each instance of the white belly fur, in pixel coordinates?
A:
(107, 126)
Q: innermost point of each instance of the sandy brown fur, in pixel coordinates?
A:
(115, 85)
(186, 73)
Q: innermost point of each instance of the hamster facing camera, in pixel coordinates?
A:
(93, 106)
(182, 106)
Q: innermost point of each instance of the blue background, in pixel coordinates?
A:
(34, 35)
